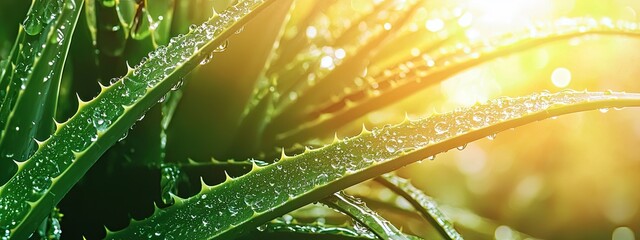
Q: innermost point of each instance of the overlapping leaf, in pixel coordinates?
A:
(238, 205)
(76, 144)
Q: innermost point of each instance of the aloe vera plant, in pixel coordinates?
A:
(318, 69)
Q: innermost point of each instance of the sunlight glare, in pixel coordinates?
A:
(561, 77)
(507, 14)
(471, 87)
(434, 25)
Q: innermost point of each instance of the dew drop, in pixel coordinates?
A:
(492, 136)
(32, 24)
(178, 85)
(207, 59)
(441, 127)
(124, 136)
(321, 178)
(239, 30)
(59, 36)
(262, 227)
(390, 148)
(604, 110)
(222, 47)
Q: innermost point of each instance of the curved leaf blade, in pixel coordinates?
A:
(362, 214)
(467, 222)
(40, 91)
(241, 204)
(426, 70)
(76, 144)
(279, 229)
(427, 207)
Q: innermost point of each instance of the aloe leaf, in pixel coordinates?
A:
(35, 85)
(344, 60)
(469, 223)
(32, 35)
(161, 13)
(238, 205)
(255, 114)
(348, 55)
(142, 23)
(349, 39)
(168, 111)
(62, 159)
(111, 33)
(422, 203)
(426, 70)
(356, 60)
(169, 176)
(304, 15)
(260, 107)
(279, 229)
(278, 67)
(395, 52)
(362, 214)
(180, 18)
(90, 17)
(9, 67)
(50, 228)
(126, 10)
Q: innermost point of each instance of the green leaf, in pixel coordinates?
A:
(426, 70)
(279, 229)
(330, 72)
(62, 159)
(238, 205)
(111, 34)
(260, 106)
(422, 203)
(9, 67)
(469, 224)
(40, 80)
(161, 13)
(168, 110)
(362, 214)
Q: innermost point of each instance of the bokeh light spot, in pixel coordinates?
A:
(311, 32)
(340, 53)
(623, 233)
(326, 62)
(561, 77)
(434, 25)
